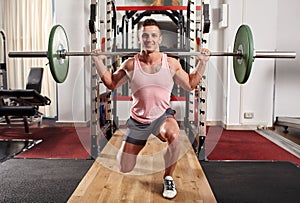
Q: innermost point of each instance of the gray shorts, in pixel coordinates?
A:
(138, 133)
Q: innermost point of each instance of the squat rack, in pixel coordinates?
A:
(190, 28)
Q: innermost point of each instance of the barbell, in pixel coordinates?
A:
(243, 54)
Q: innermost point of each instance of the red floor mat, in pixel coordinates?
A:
(57, 142)
(74, 143)
(244, 145)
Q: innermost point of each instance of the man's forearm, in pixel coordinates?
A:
(100, 67)
(196, 76)
(200, 68)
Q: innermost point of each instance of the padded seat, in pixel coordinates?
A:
(30, 97)
(24, 103)
(18, 110)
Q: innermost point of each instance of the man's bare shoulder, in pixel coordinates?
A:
(128, 64)
(173, 63)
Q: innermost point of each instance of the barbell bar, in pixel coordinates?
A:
(243, 54)
(63, 55)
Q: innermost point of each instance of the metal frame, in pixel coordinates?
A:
(94, 101)
(3, 70)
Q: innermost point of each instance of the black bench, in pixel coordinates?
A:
(29, 97)
(22, 103)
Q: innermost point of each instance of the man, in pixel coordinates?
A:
(151, 75)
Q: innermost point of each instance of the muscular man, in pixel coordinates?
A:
(151, 75)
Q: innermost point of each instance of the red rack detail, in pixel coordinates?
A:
(153, 8)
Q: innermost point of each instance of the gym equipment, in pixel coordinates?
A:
(243, 54)
(3, 70)
(19, 103)
(24, 104)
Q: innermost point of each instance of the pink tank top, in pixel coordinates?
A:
(150, 92)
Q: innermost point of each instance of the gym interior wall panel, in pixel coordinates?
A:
(235, 19)
(71, 93)
(216, 91)
(1, 14)
(287, 93)
(87, 62)
(257, 93)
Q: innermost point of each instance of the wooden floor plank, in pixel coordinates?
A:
(103, 182)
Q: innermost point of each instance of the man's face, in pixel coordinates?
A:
(151, 38)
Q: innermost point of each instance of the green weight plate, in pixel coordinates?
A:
(58, 41)
(243, 43)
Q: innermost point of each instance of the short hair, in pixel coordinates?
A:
(149, 22)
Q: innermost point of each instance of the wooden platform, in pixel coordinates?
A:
(103, 182)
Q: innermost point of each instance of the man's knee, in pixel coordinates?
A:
(172, 136)
(170, 130)
(126, 162)
(126, 168)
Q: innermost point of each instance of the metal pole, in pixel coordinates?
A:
(132, 53)
(274, 54)
(27, 54)
(257, 54)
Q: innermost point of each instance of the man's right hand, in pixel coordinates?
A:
(97, 56)
(98, 59)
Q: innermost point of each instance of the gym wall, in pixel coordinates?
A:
(73, 96)
(287, 81)
(256, 96)
(272, 25)
(1, 16)
(264, 95)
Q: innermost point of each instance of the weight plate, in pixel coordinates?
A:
(243, 43)
(58, 41)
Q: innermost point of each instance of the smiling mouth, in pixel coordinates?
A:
(149, 44)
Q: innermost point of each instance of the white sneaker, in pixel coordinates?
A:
(169, 188)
